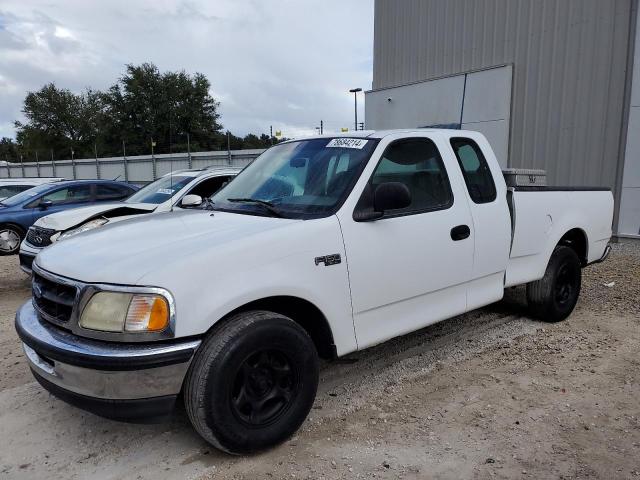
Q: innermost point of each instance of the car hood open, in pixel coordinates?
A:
(68, 219)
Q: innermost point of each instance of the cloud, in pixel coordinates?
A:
(287, 63)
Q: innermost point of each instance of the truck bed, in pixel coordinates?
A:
(542, 215)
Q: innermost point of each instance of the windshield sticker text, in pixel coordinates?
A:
(357, 143)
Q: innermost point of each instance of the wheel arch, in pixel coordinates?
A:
(22, 230)
(576, 239)
(301, 311)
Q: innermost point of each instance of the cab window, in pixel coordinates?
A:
(417, 164)
(475, 170)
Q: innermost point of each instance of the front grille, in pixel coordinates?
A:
(26, 261)
(53, 300)
(39, 237)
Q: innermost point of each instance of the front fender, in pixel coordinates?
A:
(218, 281)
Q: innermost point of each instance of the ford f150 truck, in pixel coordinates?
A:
(321, 247)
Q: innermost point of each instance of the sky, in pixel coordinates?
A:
(283, 63)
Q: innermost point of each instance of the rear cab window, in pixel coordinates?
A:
(475, 170)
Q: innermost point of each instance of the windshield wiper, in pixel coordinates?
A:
(270, 207)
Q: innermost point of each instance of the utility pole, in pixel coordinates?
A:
(228, 149)
(22, 165)
(95, 154)
(271, 134)
(53, 164)
(125, 163)
(189, 151)
(37, 164)
(320, 129)
(153, 158)
(355, 104)
(73, 164)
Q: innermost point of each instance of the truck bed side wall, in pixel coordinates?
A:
(542, 218)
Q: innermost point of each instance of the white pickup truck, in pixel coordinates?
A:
(321, 247)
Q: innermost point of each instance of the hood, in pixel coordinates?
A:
(68, 219)
(126, 251)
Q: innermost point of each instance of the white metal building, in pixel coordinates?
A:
(553, 84)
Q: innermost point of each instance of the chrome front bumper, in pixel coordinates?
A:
(104, 377)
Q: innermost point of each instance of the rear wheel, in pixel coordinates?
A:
(252, 382)
(10, 238)
(554, 296)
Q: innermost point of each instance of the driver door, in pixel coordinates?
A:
(406, 271)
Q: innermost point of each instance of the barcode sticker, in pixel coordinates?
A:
(357, 143)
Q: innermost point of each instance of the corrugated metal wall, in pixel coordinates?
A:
(569, 59)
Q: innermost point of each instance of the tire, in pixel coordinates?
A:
(554, 296)
(252, 382)
(10, 239)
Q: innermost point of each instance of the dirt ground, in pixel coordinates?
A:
(489, 394)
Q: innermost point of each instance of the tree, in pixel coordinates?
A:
(170, 109)
(9, 150)
(61, 120)
(166, 107)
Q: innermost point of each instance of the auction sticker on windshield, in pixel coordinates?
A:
(357, 143)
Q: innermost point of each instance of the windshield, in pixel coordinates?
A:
(161, 190)
(301, 179)
(26, 195)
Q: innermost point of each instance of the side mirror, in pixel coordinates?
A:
(391, 196)
(387, 196)
(44, 204)
(191, 201)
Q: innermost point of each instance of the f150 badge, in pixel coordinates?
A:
(329, 260)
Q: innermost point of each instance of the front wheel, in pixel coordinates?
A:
(252, 382)
(10, 238)
(554, 296)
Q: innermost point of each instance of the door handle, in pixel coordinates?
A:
(460, 232)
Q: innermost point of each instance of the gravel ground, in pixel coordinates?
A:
(490, 394)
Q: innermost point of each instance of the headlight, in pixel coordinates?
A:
(90, 225)
(126, 312)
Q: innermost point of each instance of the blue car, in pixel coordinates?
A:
(19, 212)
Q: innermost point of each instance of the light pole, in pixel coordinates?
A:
(355, 104)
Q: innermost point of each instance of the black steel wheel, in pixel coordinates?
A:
(554, 296)
(252, 382)
(264, 387)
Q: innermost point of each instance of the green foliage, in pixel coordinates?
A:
(174, 110)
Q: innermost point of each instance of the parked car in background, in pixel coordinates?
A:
(185, 188)
(12, 186)
(17, 213)
(321, 247)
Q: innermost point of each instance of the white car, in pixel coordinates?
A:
(185, 188)
(12, 186)
(321, 247)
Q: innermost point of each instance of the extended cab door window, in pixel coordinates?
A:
(475, 170)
